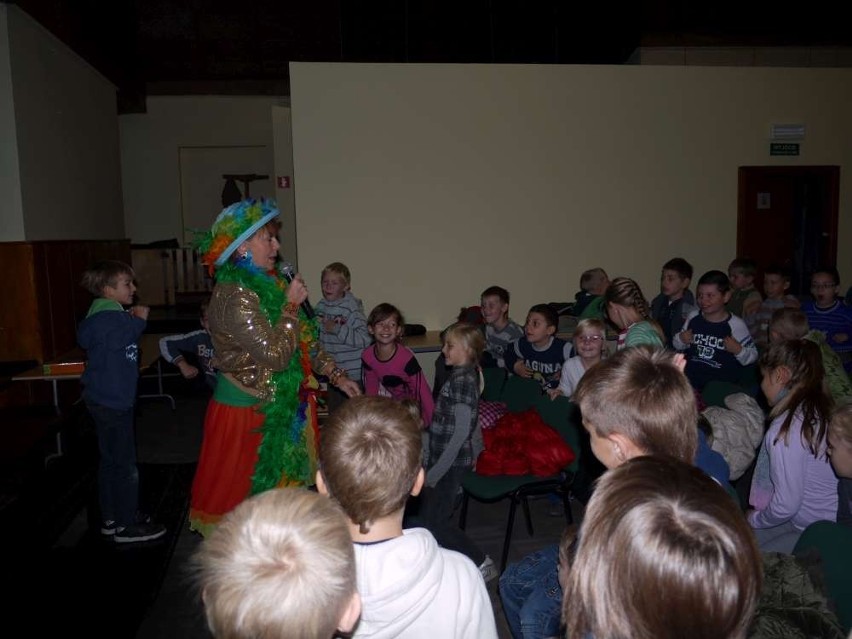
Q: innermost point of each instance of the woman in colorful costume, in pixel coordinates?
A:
(260, 430)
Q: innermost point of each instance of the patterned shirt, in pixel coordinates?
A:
(462, 387)
(399, 377)
(834, 322)
(498, 342)
(706, 356)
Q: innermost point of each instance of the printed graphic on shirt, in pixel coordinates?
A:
(131, 353)
(706, 347)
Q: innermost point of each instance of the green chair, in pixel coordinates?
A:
(561, 414)
(495, 379)
(520, 393)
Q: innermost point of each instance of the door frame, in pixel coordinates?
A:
(831, 175)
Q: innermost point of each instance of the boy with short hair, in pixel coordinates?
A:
(109, 335)
(280, 564)
(343, 326)
(776, 281)
(500, 330)
(745, 299)
(636, 402)
(717, 343)
(589, 302)
(199, 343)
(827, 313)
(539, 354)
(675, 302)
(370, 464)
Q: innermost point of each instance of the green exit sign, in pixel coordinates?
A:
(783, 148)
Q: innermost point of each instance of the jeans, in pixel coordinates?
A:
(118, 477)
(532, 596)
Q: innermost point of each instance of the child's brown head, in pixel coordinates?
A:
(370, 458)
(776, 281)
(825, 286)
(713, 293)
(675, 278)
(494, 302)
(663, 553)
(112, 280)
(638, 402)
(542, 322)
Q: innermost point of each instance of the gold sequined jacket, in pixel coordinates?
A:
(246, 347)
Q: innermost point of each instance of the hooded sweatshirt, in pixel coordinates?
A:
(412, 588)
(109, 334)
(349, 336)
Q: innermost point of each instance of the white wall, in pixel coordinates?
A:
(434, 181)
(150, 148)
(67, 138)
(284, 196)
(11, 213)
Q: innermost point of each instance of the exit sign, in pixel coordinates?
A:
(784, 148)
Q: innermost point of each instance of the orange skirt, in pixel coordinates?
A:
(226, 463)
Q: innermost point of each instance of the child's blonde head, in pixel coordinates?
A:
(663, 553)
(626, 292)
(841, 423)
(340, 269)
(641, 393)
(590, 326)
(788, 323)
(470, 337)
(281, 564)
(370, 457)
(840, 441)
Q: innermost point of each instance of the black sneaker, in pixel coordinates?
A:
(138, 532)
(109, 526)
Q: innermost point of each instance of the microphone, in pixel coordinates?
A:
(288, 273)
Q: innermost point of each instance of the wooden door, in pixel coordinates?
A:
(788, 216)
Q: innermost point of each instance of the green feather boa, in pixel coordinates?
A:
(283, 447)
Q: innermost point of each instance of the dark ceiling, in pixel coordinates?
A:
(226, 47)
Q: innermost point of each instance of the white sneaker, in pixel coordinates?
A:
(488, 569)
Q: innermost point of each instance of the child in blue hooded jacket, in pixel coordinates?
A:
(109, 334)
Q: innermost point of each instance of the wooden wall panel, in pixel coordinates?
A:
(45, 302)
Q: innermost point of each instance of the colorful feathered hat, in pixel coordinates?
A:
(233, 226)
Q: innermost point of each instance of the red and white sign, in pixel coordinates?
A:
(283, 181)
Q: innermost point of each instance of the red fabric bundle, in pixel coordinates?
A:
(523, 444)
